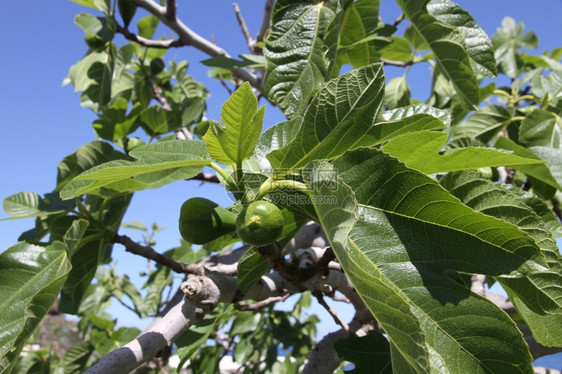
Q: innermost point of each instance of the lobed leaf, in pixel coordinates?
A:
(410, 237)
(507, 42)
(243, 125)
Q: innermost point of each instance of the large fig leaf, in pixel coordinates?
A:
(403, 264)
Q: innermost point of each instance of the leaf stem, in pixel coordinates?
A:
(270, 185)
(231, 183)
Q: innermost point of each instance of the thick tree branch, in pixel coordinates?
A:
(202, 296)
(171, 9)
(189, 37)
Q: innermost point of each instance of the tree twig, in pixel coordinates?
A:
(264, 303)
(244, 28)
(151, 254)
(160, 44)
(189, 37)
(329, 309)
(206, 177)
(266, 21)
(401, 64)
(158, 95)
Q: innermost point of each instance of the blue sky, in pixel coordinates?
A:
(43, 122)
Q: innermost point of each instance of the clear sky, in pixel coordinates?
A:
(43, 122)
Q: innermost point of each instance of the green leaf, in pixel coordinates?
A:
(86, 3)
(79, 74)
(30, 278)
(95, 28)
(115, 123)
(247, 61)
(330, 126)
(478, 45)
(544, 286)
(390, 310)
(553, 157)
(541, 128)
(447, 44)
(411, 110)
(297, 55)
(421, 151)
(122, 175)
(147, 26)
(74, 233)
(507, 42)
(30, 204)
(190, 341)
(85, 157)
(76, 358)
(421, 201)
(397, 93)
(124, 286)
(484, 124)
(243, 125)
(251, 266)
(399, 50)
(359, 39)
(549, 86)
(274, 138)
(538, 171)
(127, 10)
(155, 284)
(413, 236)
(369, 353)
(511, 205)
(101, 74)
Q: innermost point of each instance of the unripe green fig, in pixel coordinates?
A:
(202, 220)
(260, 223)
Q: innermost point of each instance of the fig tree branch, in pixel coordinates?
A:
(244, 28)
(160, 44)
(171, 9)
(266, 20)
(151, 254)
(189, 37)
